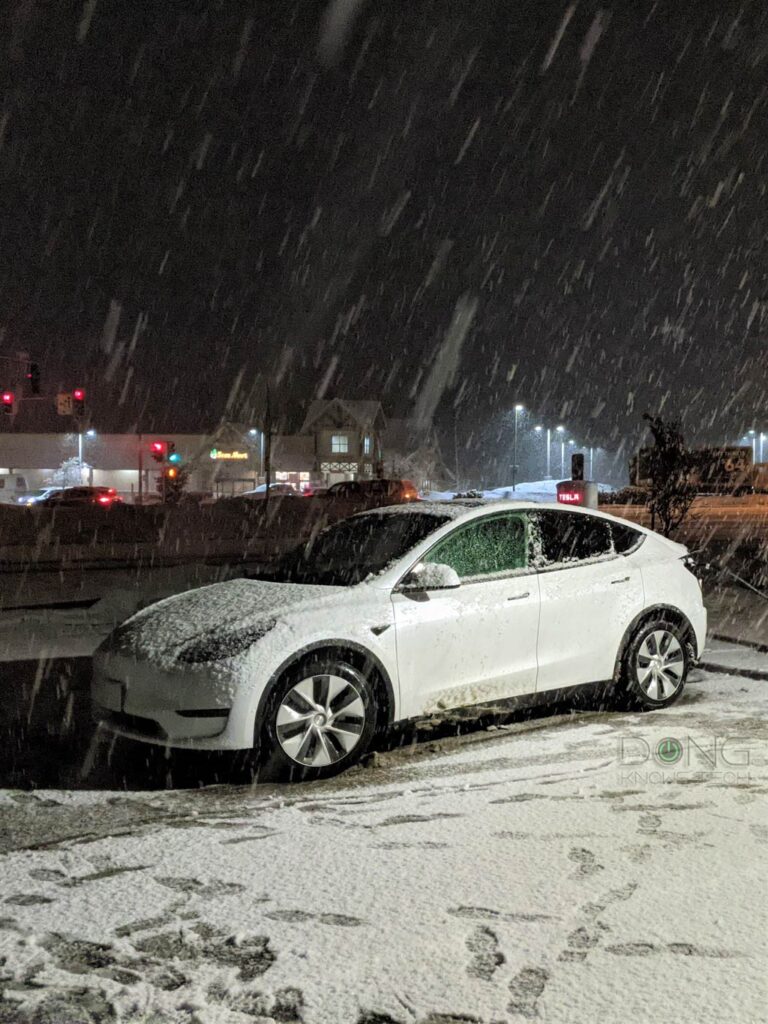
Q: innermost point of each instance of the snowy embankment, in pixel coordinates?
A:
(561, 869)
(528, 490)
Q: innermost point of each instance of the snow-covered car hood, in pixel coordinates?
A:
(243, 610)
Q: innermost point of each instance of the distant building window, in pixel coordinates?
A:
(367, 444)
(339, 444)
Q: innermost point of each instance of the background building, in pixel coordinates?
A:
(339, 440)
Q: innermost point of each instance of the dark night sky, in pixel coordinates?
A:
(256, 205)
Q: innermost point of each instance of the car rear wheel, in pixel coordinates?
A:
(320, 720)
(656, 664)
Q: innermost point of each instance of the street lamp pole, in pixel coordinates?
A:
(762, 438)
(561, 430)
(518, 410)
(753, 437)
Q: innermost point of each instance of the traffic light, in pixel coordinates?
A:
(173, 455)
(159, 449)
(33, 377)
(171, 473)
(8, 402)
(577, 466)
(78, 401)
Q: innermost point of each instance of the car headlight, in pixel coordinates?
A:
(215, 646)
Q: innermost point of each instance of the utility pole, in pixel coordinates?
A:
(141, 470)
(518, 410)
(267, 448)
(456, 453)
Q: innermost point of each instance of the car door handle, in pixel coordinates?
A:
(519, 597)
(624, 579)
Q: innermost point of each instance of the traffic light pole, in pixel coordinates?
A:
(141, 471)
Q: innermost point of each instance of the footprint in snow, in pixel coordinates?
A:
(483, 944)
(585, 860)
(525, 990)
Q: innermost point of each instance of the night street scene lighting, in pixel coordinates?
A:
(383, 512)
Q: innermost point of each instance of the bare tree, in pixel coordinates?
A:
(668, 469)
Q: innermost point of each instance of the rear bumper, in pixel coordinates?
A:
(699, 623)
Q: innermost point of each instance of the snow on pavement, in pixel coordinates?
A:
(568, 869)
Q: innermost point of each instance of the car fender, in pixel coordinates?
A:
(647, 613)
(379, 658)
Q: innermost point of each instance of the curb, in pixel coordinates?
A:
(748, 673)
(752, 644)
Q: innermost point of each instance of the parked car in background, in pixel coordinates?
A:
(404, 612)
(365, 494)
(280, 490)
(72, 497)
(33, 497)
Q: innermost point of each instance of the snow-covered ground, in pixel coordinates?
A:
(566, 869)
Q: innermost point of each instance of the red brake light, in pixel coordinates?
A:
(104, 499)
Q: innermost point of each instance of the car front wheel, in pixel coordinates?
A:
(320, 720)
(655, 665)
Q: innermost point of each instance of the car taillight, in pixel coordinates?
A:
(104, 499)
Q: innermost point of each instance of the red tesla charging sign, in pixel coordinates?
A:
(577, 492)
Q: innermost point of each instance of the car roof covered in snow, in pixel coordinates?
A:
(459, 508)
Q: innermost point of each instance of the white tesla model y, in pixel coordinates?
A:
(400, 613)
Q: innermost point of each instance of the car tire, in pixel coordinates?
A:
(320, 720)
(655, 665)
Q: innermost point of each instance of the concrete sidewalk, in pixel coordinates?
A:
(738, 615)
(735, 659)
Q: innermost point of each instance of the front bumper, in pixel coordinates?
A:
(194, 709)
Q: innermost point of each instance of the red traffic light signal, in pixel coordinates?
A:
(159, 449)
(8, 402)
(78, 401)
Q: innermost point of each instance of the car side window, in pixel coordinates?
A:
(568, 537)
(625, 539)
(485, 547)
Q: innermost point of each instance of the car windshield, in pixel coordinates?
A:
(352, 550)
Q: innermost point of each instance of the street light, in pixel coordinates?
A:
(90, 433)
(539, 429)
(561, 430)
(518, 409)
(752, 434)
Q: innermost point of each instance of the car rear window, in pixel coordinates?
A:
(625, 539)
(567, 537)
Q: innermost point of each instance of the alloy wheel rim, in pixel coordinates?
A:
(320, 720)
(660, 664)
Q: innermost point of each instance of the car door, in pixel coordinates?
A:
(589, 595)
(476, 642)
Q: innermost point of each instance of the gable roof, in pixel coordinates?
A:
(364, 413)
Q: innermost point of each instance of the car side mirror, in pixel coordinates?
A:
(430, 576)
